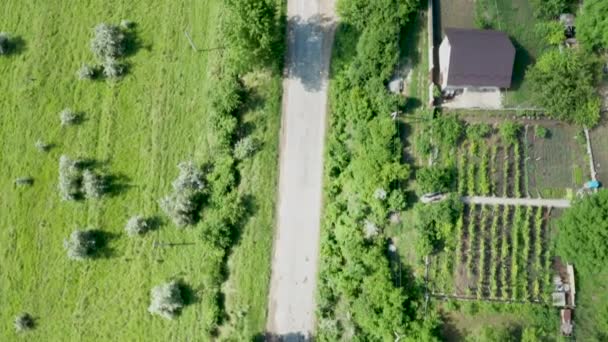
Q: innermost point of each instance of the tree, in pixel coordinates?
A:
(582, 237)
(24, 322)
(434, 179)
(42, 146)
(563, 83)
(592, 24)
(166, 300)
(244, 148)
(93, 185)
(5, 43)
(86, 72)
(81, 245)
(183, 204)
(69, 179)
(137, 225)
(112, 68)
(253, 30)
(68, 117)
(108, 42)
(509, 132)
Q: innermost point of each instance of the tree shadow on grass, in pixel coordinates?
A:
(15, 46)
(116, 184)
(102, 244)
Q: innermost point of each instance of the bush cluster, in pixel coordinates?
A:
(68, 117)
(109, 45)
(76, 181)
(563, 83)
(364, 156)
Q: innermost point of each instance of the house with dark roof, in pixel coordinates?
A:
(478, 59)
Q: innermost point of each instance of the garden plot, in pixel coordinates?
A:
(499, 253)
(557, 165)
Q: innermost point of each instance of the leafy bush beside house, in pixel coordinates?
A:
(563, 83)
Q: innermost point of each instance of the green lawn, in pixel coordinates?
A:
(138, 128)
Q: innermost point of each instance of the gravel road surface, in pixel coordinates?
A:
(291, 308)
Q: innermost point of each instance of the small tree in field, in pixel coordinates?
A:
(166, 300)
(112, 68)
(108, 42)
(68, 117)
(81, 245)
(182, 205)
(92, 184)
(137, 225)
(5, 43)
(24, 322)
(42, 146)
(244, 148)
(86, 72)
(540, 132)
(69, 179)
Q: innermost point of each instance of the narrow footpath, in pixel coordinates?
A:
(533, 202)
(291, 303)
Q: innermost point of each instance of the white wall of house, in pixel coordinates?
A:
(444, 61)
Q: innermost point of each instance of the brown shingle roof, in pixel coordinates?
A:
(480, 58)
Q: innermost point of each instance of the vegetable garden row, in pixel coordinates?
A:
(491, 258)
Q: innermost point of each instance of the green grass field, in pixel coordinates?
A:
(138, 128)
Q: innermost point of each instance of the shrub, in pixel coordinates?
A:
(190, 178)
(42, 146)
(137, 225)
(93, 184)
(540, 132)
(181, 207)
(68, 117)
(81, 245)
(112, 68)
(24, 181)
(509, 132)
(447, 130)
(69, 179)
(592, 24)
(24, 322)
(108, 42)
(244, 148)
(434, 179)
(86, 72)
(575, 100)
(5, 43)
(166, 300)
(478, 131)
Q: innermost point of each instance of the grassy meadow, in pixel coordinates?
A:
(136, 129)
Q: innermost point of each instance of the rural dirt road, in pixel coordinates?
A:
(533, 202)
(311, 25)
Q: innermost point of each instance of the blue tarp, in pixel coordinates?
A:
(593, 184)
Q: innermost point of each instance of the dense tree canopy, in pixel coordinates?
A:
(548, 9)
(434, 179)
(563, 83)
(592, 24)
(583, 234)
